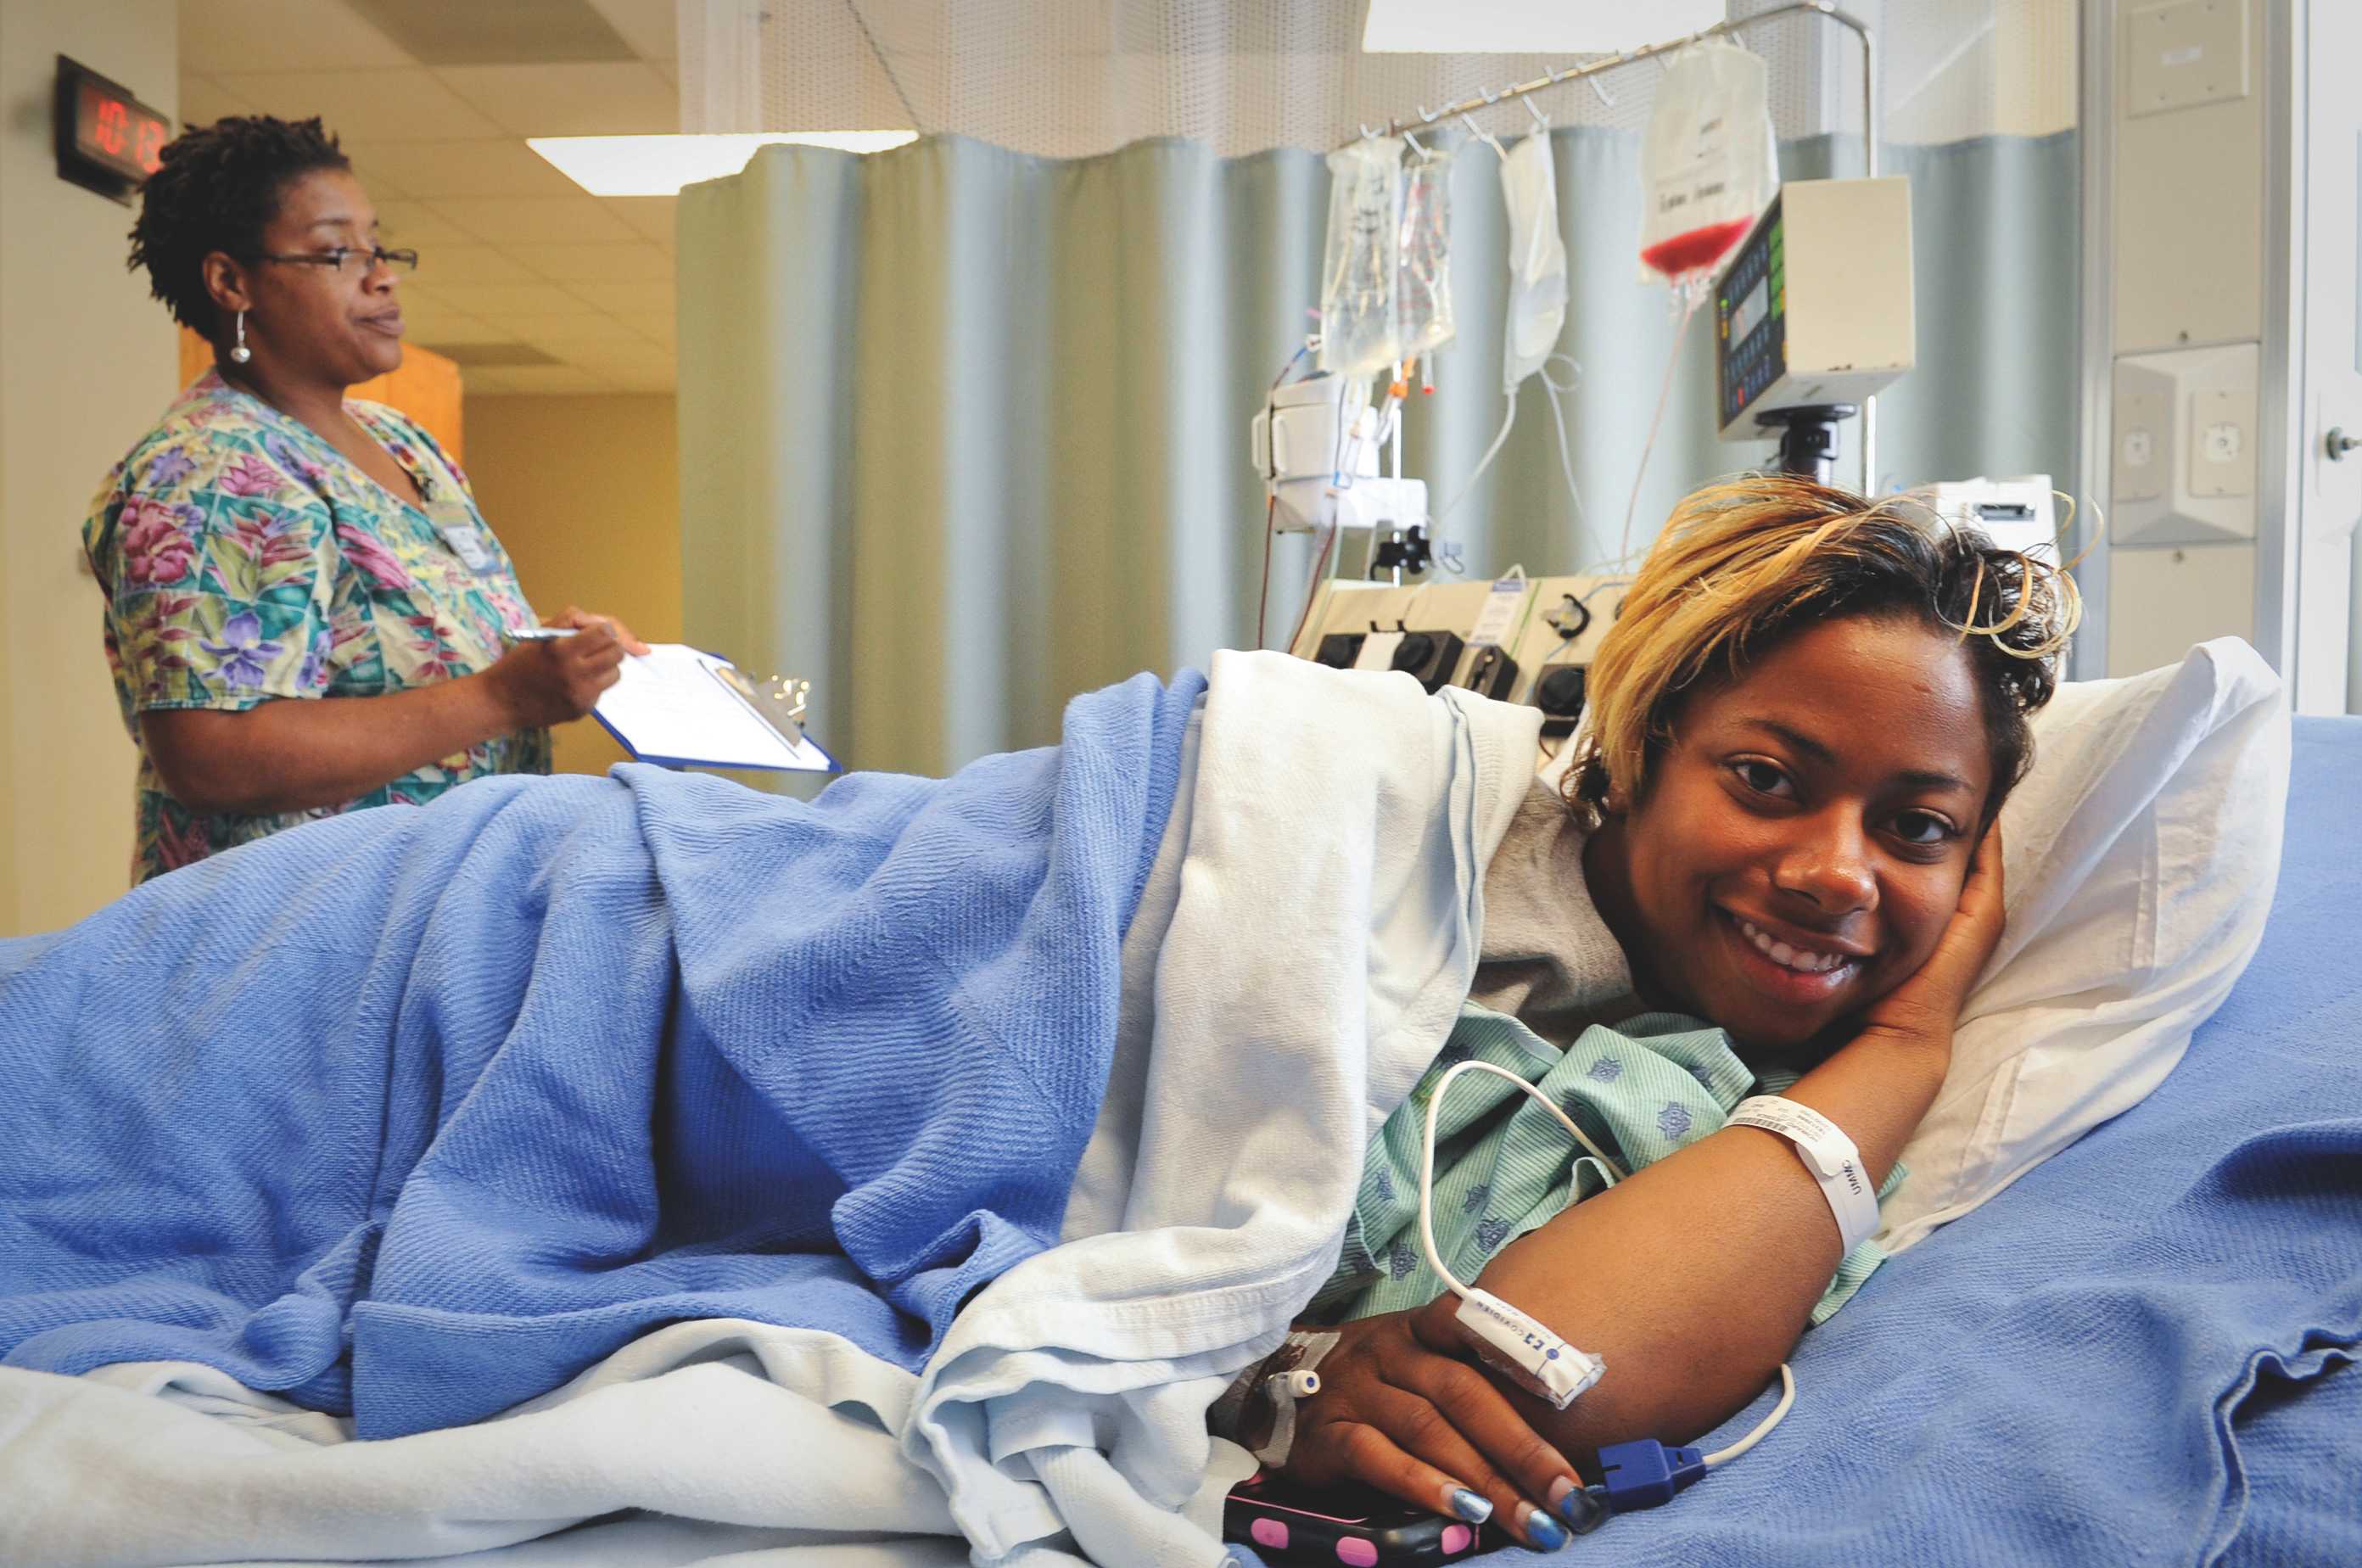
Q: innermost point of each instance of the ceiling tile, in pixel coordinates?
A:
(478, 381)
(619, 98)
(588, 325)
(652, 215)
(536, 220)
(638, 262)
(494, 168)
(508, 32)
(430, 319)
(205, 100)
(620, 298)
(549, 379)
(448, 264)
(656, 325)
(650, 26)
(280, 35)
(380, 183)
(424, 317)
(408, 223)
(495, 354)
(612, 355)
(408, 104)
(496, 302)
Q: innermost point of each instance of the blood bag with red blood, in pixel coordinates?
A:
(1709, 166)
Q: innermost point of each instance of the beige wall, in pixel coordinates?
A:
(585, 492)
(88, 363)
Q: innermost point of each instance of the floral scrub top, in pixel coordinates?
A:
(244, 559)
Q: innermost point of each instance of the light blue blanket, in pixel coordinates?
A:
(417, 1113)
(2134, 1353)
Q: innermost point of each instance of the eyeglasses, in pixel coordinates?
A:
(344, 260)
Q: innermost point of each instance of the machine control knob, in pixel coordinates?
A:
(1414, 650)
(2339, 444)
(1338, 650)
(1558, 692)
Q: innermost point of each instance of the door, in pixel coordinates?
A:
(2329, 487)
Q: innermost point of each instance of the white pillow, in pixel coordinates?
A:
(2139, 857)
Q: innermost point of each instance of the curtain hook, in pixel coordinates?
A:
(1413, 141)
(1600, 88)
(1481, 134)
(1542, 121)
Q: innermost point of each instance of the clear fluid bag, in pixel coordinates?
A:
(1360, 322)
(1537, 259)
(1424, 282)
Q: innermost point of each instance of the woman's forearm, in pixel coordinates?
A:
(1693, 1277)
(298, 754)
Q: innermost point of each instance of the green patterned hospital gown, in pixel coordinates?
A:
(1640, 1090)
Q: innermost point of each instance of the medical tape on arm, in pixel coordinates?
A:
(1827, 1153)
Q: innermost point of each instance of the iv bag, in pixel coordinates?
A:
(1537, 259)
(1709, 166)
(1424, 281)
(1360, 326)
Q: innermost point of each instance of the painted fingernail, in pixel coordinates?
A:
(1542, 1532)
(1470, 1506)
(1578, 1508)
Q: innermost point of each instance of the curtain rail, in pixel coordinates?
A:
(1827, 9)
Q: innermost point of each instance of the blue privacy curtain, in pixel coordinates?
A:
(964, 431)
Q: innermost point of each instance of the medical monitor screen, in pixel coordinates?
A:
(1751, 312)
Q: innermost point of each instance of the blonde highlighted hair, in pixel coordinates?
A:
(1742, 564)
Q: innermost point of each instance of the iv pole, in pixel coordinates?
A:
(1605, 63)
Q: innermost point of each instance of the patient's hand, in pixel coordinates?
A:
(1402, 1410)
(1923, 1007)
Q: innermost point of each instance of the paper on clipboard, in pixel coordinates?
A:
(669, 706)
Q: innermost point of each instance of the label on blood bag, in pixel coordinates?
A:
(1499, 615)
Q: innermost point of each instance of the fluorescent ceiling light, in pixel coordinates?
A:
(1530, 27)
(661, 165)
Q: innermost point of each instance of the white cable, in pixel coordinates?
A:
(1427, 1158)
(1557, 419)
(1673, 363)
(1787, 1397)
(1507, 419)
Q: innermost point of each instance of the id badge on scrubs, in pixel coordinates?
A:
(466, 542)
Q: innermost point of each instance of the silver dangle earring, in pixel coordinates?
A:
(239, 353)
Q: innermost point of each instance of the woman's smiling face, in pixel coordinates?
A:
(1802, 840)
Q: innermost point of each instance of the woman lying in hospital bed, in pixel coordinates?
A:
(417, 1115)
(1782, 822)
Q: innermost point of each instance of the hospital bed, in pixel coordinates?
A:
(2137, 1352)
(2132, 1354)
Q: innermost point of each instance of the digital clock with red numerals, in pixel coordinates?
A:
(107, 140)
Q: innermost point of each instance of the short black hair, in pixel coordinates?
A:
(219, 186)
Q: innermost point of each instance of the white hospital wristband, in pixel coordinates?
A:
(1827, 1152)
